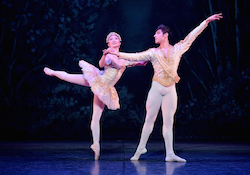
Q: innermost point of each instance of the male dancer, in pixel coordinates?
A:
(165, 60)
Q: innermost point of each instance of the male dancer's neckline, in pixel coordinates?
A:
(164, 48)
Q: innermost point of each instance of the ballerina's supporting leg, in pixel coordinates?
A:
(71, 78)
(98, 107)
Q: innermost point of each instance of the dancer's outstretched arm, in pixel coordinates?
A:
(182, 46)
(139, 63)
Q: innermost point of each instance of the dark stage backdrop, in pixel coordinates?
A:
(213, 91)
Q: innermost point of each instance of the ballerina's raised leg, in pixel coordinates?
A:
(71, 78)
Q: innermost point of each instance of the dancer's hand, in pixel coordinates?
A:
(111, 51)
(214, 17)
(104, 52)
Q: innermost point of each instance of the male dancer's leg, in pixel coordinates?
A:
(98, 107)
(71, 78)
(169, 106)
(152, 108)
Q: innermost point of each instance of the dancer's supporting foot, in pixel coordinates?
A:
(174, 158)
(138, 153)
(48, 71)
(96, 148)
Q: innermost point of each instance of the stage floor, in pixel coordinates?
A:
(75, 157)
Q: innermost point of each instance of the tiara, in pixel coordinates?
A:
(113, 33)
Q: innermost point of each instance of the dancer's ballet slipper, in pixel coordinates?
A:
(138, 153)
(174, 158)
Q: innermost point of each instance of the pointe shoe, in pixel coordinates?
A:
(96, 149)
(138, 153)
(81, 63)
(48, 71)
(174, 158)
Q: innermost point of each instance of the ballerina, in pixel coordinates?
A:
(101, 83)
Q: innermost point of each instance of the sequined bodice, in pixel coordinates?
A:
(111, 75)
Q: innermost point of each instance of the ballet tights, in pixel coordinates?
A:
(71, 78)
(98, 107)
(165, 98)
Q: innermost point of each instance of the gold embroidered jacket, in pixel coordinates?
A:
(166, 64)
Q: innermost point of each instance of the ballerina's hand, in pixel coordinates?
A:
(104, 52)
(214, 17)
(111, 51)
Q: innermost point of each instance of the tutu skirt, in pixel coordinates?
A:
(99, 82)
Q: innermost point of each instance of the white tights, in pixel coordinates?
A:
(71, 78)
(98, 105)
(166, 98)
